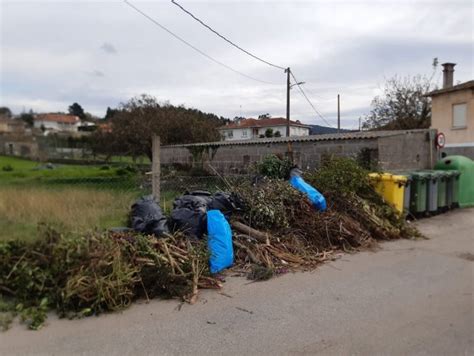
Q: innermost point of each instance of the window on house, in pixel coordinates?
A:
(230, 134)
(459, 115)
(244, 133)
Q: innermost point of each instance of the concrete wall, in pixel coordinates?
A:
(410, 150)
(442, 116)
(403, 151)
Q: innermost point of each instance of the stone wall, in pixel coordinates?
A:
(390, 151)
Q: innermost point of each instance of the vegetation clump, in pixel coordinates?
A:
(81, 275)
(273, 166)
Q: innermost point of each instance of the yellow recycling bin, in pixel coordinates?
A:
(391, 187)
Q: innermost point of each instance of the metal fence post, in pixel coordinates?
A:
(156, 167)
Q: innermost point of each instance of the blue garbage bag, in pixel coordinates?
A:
(319, 202)
(219, 241)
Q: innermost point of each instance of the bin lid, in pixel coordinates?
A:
(388, 177)
(420, 175)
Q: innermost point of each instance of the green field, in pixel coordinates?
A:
(71, 197)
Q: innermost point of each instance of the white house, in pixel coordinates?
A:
(57, 122)
(246, 129)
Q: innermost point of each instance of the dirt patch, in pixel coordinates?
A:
(466, 256)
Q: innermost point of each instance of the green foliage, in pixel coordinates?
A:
(148, 117)
(270, 204)
(339, 175)
(5, 111)
(80, 275)
(274, 167)
(77, 110)
(269, 132)
(28, 118)
(7, 168)
(277, 134)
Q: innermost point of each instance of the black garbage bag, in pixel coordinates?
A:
(146, 217)
(189, 213)
(193, 200)
(192, 222)
(225, 202)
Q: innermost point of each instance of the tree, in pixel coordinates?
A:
(277, 134)
(136, 121)
(264, 116)
(77, 110)
(28, 117)
(110, 113)
(4, 111)
(402, 106)
(269, 132)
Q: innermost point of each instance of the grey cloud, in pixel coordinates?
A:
(97, 73)
(108, 48)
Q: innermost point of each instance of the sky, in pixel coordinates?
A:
(102, 53)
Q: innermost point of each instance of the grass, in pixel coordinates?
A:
(25, 171)
(72, 209)
(73, 197)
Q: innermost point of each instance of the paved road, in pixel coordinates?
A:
(410, 297)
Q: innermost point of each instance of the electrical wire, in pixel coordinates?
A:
(195, 48)
(224, 38)
(309, 101)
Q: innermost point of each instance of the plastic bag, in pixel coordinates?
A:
(190, 221)
(316, 198)
(146, 217)
(219, 241)
(223, 202)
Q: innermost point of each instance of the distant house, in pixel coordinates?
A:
(246, 129)
(57, 122)
(452, 113)
(11, 126)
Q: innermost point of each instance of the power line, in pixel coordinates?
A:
(193, 47)
(226, 39)
(309, 101)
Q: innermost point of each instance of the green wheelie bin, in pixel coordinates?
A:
(419, 189)
(452, 188)
(442, 186)
(432, 191)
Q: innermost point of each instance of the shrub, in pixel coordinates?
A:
(340, 175)
(7, 168)
(274, 167)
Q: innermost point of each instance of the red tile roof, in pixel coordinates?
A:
(61, 118)
(250, 123)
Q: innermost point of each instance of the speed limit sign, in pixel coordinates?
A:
(440, 140)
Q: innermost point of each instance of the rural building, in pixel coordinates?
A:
(248, 129)
(452, 113)
(57, 122)
(389, 150)
(11, 126)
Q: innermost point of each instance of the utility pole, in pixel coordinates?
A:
(360, 127)
(338, 114)
(287, 71)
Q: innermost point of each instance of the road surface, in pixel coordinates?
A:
(410, 297)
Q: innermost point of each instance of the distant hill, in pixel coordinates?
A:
(321, 130)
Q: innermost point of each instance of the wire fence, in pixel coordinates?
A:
(85, 198)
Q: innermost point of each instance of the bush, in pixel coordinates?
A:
(274, 167)
(340, 175)
(7, 168)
